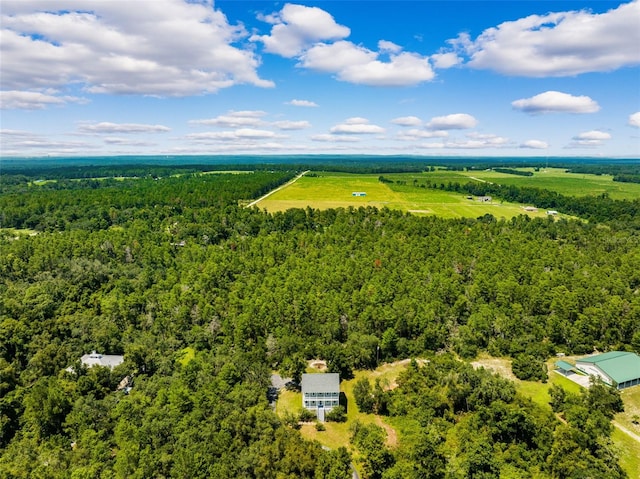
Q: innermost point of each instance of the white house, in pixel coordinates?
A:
(320, 392)
(97, 359)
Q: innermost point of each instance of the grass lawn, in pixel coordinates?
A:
(628, 451)
(338, 434)
(326, 190)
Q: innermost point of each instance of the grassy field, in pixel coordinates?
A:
(332, 190)
(554, 179)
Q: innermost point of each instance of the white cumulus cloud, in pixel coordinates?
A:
(110, 128)
(445, 60)
(356, 125)
(555, 101)
(414, 134)
(455, 121)
(304, 103)
(337, 138)
(34, 100)
(407, 121)
(234, 119)
(160, 47)
(535, 145)
(634, 119)
(591, 138)
(558, 44)
(292, 125)
(296, 27)
(232, 135)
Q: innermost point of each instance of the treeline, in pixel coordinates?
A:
(178, 265)
(92, 205)
(627, 178)
(511, 171)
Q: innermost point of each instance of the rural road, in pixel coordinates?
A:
(253, 203)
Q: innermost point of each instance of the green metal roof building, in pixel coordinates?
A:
(617, 368)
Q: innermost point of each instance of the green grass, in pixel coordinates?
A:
(629, 452)
(554, 179)
(334, 190)
(338, 434)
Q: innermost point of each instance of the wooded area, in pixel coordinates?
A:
(148, 267)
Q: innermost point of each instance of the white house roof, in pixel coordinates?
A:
(97, 359)
(321, 382)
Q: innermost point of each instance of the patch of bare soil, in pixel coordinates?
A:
(497, 365)
(319, 364)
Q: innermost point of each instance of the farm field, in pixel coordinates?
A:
(554, 179)
(325, 190)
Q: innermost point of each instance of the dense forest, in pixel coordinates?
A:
(158, 266)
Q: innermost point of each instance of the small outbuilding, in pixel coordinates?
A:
(320, 392)
(619, 369)
(359, 193)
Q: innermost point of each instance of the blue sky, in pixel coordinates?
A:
(444, 78)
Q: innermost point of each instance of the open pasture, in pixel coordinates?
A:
(554, 179)
(325, 190)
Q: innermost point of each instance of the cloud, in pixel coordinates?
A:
(163, 48)
(106, 127)
(336, 138)
(359, 65)
(239, 134)
(234, 119)
(591, 138)
(555, 101)
(634, 119)
(407, 121)
(445, 60)
(389, 47)
(34, 100)
(415, 134)
(22, 143)
(535, 145)
(126, 142)
(296, 27)
(292, 125)
(557, 44)
(456, 121)
(356, 125)
(305, 103)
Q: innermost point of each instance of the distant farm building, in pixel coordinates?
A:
(485, 199)
(359, 193)
(552, 212)
(320, 392)
(530, 208)
(619, 369)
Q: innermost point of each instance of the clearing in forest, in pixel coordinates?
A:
(324, 190)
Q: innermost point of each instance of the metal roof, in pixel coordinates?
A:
(97, 359)
(621, 366)
(565, 365)
(321, 382)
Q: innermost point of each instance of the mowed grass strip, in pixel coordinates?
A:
(334, 190)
